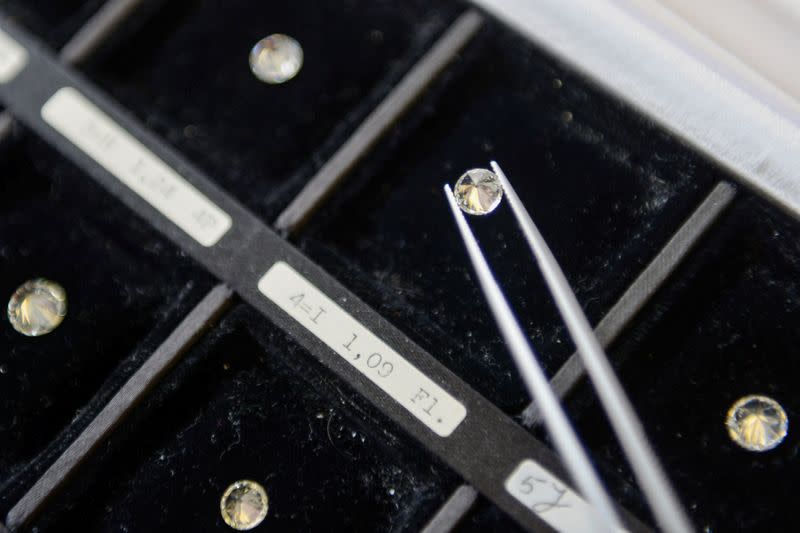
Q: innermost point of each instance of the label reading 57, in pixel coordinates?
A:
(382, 365)
(551, 499)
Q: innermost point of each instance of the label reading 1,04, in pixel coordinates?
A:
(386, 368)
(120, 153)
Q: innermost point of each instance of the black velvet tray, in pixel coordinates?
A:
(722, 329)
(186, 76)
(126, 289)
(607, 188)
(247, 403)
(54, 20)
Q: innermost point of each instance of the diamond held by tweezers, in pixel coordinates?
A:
(37, 307)
(757, 423)
(478, 191)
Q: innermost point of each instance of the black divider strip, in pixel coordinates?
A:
(452, 511)
(199, 319)
(86, 41)
(484, 449)
(642, 289)
(607, 331)
(397, 102)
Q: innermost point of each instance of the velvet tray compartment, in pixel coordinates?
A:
(246, 403)
(724, 328)
(606, 188)
(54, 20)
(126, 286)
(186, 76)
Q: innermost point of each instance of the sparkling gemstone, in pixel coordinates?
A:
(757, 423)
(478, 191)
(244, 505)
(37, 307)
(276, 59)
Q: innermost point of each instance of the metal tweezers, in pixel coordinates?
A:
(628, 429)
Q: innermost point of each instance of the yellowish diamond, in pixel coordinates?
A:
(244, 505)
(478, 191)
(276, 59)
(37, 307)
(757, 423)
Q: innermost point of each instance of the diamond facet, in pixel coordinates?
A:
(478, 191)
(244, 505)
(757, 423)
(37, 307)
(276, 59)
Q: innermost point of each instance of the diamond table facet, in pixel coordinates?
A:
(244, 505)
(478, 191)
(276, 59)
(757, 423)
(37, 307)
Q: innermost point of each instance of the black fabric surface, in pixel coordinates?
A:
(723, 328)
(606, 189)
(248, 404)
(484, 516)
(186, 76)
(55, 21)
(124, 283)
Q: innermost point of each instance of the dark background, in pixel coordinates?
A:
(606, 187)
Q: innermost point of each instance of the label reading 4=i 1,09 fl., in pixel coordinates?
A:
(345, 335)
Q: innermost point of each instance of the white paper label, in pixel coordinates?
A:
(87, 127)
(386, 368)
(551, 499)
(13, 57)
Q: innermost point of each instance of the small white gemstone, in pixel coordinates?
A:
(244, 505)
(757, 423)
(478, 191)
(37, 307)
(276, 59)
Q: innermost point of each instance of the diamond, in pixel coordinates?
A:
(276, 59)
(478, 191)
(757, 423)
(244, 505)
(37, 307)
